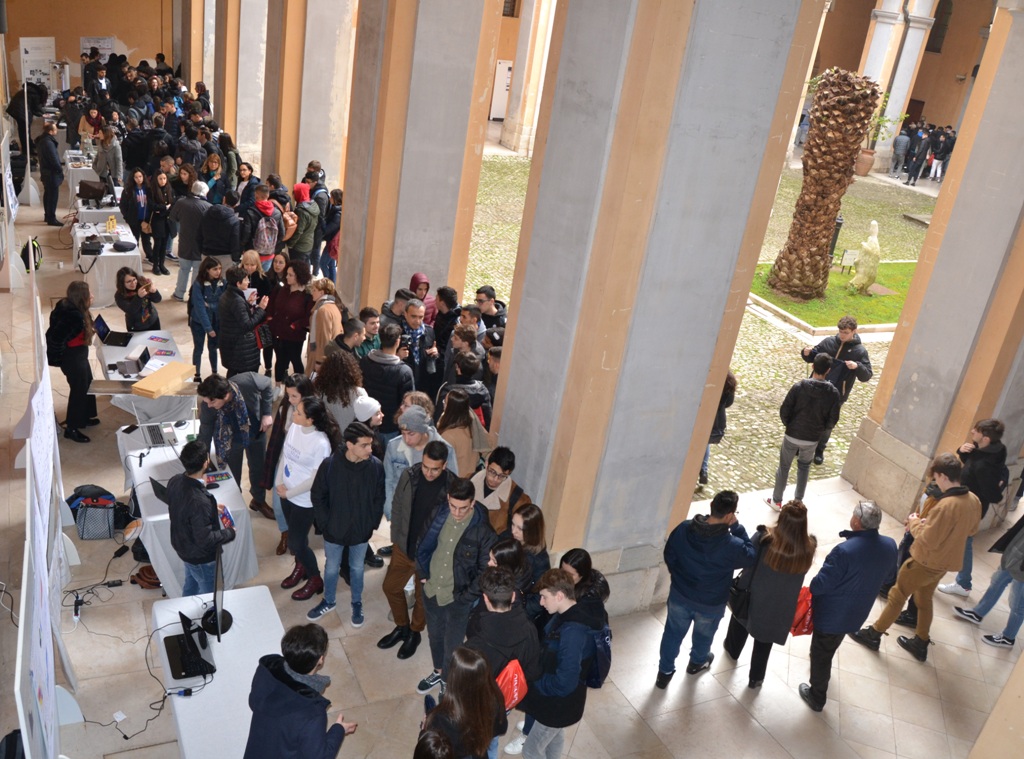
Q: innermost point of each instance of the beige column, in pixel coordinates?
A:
(959, 352)
(412, 166)
(517, 131)
(286, 43)
(225, 77)
(192, 39)
(630, 284)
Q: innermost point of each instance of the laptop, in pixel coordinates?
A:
(189, 654)
(157, 435)
(108, 336)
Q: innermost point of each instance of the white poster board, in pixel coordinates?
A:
(37, 56)
(104, 44)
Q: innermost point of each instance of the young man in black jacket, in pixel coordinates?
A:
(386, 378)
(850, 363)
(811, 407)
(51, 172)
(219, 232)
(348, 502)
(196, 529)
(289, 711)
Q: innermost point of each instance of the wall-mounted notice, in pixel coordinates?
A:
(37, 56)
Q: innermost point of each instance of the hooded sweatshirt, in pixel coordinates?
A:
(429, 302)
(984, 469)
(502, 636)
(309, 213)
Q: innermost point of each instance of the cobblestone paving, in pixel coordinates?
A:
(766, 360)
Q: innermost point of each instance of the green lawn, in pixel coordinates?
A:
(866, 199)
(839, 301)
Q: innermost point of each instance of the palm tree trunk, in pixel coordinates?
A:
(840, 117)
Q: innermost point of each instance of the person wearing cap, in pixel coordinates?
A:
(368, 411)
(188, 213)
(407, 449)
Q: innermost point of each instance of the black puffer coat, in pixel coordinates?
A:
(238, 349)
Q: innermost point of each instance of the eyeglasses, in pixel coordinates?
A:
(481, 301)
(499, 476)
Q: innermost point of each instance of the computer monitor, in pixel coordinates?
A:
(110, 189)
(217, 620)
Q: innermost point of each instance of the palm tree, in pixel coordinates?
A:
(844, 104)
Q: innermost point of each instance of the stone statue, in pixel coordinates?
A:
(867, 263)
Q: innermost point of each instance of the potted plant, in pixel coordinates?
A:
(881, 128)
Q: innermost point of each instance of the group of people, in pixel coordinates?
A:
(922, 150)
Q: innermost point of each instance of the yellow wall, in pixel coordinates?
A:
(936, 84)
(142, 29)
(842, 39)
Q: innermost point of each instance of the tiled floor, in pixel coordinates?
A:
(881, 704)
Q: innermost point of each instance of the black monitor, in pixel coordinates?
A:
(217, 620)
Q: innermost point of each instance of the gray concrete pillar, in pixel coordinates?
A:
(252, 58)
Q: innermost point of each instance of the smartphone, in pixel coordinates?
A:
(130, 429)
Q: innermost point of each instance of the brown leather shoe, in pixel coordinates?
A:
(298, 574)
(313, 585)
(282, 546)
(262, 507)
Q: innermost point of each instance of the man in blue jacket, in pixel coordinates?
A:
(289, 711)
(701, 554)
(843, 592)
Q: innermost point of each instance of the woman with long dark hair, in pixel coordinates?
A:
(461, 427)
(528, 531)
(590, 585)
(161, 198)
(247, 182)
(203, 312)
(296, 387)
(67, 346)
(136, 296)
(508, 553)
(134, 207)
(289, 319)
(784, 554)
(472, 711)
(232, 160)
(339, 382)
(273, 282)
(310, 439)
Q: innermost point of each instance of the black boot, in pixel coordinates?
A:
(371, 559)
(393, 638)
(907, 619)
(869, 637)
(411, 644)
(916, 646)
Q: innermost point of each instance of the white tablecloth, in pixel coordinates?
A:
(170, 408)
(76, 168)
(214, 721)
(89, 215)
(240, 563)
(101, 271)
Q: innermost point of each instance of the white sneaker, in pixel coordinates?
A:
(515, 746)
(520, 725)
(951, 588)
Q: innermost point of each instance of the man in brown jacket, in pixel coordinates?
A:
(498, 492)
(940, 532)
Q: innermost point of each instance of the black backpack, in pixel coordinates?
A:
(31, 251)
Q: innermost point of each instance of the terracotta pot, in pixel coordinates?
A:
(864, 162)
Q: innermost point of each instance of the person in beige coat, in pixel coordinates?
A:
(461, 427)
(325, 323)
(940, 531)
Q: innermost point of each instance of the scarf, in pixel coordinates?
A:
(318, 683)
(232, 419)
(414, 340)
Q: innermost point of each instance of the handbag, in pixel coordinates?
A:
(147, 228)
(739, 591)
(264, 337)
(803, 621)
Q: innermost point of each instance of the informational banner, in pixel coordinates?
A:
(37, 56)
(104, 44)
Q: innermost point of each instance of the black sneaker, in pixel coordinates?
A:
(998, 641)
(693, 669)
(805, 694)
(967, 614)
(663, 679)
(428, 683)
(819, 459)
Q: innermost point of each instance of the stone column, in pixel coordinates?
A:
(225, 77)
(883, 41)
(282, 102)
(192, 37)
(412, 166)
(920, 19)
(517, 131)
(983, 33)
(209, 45)
(326, 86)
(252, 60)
(633, 267)
(958, 355)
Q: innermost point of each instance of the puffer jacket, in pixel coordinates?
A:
(309, 219)
(811, 407)
(238, 349)
(701, 558)
(348, 499)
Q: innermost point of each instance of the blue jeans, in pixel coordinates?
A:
(804, 451)
(199, 578)
(492, 749)
(676, 626)
(198, 338)
(1000, 580)
(185, 270)
(963, 577)
(328, 266)
(332, 563)
(707, 458)
(282, 523)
